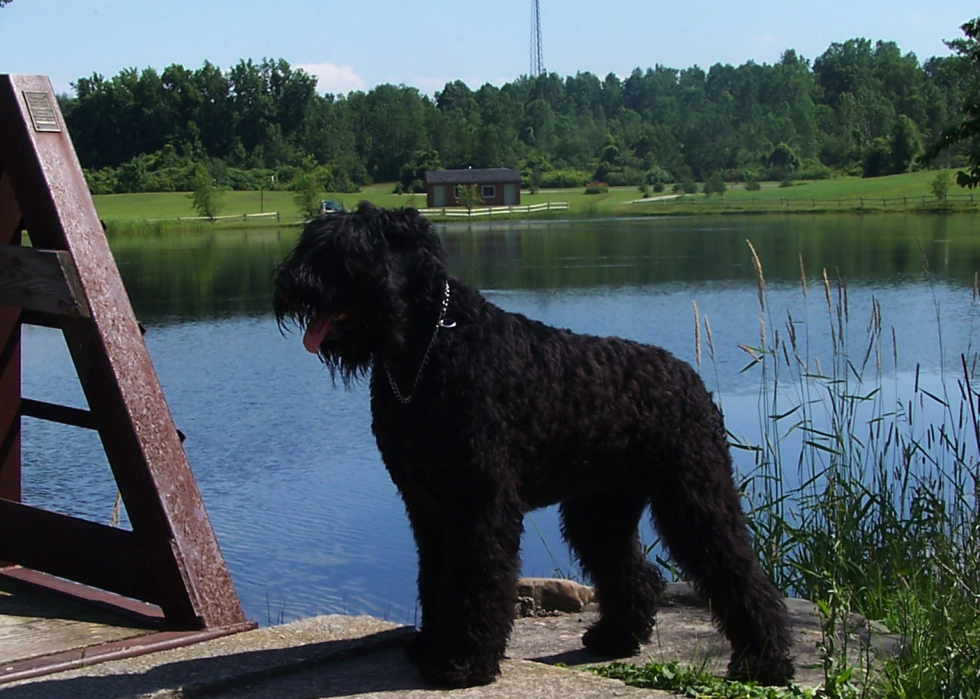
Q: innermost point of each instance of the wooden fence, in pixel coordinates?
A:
(234, 217)
(954, 201)
(491, 211)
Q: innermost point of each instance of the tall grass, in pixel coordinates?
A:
(864, 491)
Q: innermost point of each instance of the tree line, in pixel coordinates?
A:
(860, 108)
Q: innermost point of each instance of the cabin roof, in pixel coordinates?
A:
(473, 176)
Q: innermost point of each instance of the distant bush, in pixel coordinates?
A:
(626, 177)
(596, 188)
(563, 179)
(657, 175)
(102, 181)
(814, 170)
(659, 187)
(753, 185)
(715, 184)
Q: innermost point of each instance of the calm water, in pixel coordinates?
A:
(307, 518)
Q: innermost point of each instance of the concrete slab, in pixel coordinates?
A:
(340, 656)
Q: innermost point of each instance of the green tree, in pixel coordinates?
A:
(968, 131)
(205, 195)
(496, 143)
(538, 125)
(412, 177)
(783, 160)
(877, 159)
(307, 188)
(254, 107)
(390, 126)
(905, 144)
(469, 196)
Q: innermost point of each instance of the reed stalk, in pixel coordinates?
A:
(882, 517)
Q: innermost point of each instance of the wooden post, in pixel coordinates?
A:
(10, 481)
(171, 557)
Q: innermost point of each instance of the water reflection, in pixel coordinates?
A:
(303, 508)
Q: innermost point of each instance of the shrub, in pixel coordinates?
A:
(596, 188)
(659, 187)
(942, 183)
(753, 185)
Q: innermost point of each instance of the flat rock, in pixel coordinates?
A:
(539, 596)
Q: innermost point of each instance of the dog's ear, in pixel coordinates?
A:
(405, 230)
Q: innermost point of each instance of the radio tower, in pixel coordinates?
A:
(537, 58)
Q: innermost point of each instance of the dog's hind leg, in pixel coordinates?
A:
(602, 531)
(698, 513)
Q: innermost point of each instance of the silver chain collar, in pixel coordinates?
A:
(441, 323)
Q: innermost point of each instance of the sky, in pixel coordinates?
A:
(358, 44)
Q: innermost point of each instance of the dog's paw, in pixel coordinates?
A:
(459, 672)
(769, 671)
(610, 642)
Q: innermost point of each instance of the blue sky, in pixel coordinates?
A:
(357, 44)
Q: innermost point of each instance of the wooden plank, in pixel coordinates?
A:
(93, 554)
(41, 280)
(35, 623)
(76, 417)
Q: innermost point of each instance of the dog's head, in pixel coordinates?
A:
(357, 282)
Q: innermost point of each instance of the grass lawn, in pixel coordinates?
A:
(909, 192)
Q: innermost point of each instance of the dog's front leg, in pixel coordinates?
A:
(468, 567)
(431, 562)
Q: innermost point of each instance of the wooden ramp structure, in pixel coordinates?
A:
(164, 582)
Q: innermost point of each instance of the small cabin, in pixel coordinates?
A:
(499, 186)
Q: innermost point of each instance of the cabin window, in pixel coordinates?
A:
(489, 191)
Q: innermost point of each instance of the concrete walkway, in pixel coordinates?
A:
(342, 656)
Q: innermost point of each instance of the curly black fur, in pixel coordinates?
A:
(510, 415)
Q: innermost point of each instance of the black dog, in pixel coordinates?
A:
(483, 415)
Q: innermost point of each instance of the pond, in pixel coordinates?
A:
(306, 516)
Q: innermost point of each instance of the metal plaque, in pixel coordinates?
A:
(42, 111)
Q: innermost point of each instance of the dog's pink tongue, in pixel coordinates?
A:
(314, 335)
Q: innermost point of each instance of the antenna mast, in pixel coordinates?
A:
(537, 58)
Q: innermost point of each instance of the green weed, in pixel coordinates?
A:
(671, 677)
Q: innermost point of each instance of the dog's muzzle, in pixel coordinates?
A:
(317, 331)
